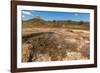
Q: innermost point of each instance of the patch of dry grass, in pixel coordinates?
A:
(46, 41)
(51, 46)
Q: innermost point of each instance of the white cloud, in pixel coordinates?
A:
(27, 12)
(23, 16)
(76, 14)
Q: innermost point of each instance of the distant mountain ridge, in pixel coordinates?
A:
(34, 22)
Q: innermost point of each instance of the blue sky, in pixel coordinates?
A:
(74, 16)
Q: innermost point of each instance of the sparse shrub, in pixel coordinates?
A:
(69, 21)
(81, 22)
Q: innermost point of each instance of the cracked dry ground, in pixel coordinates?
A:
(54, 44)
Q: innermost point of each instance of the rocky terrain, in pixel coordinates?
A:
(54, 44)
(55, 40)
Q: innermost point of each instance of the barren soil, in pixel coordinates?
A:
(75, 44)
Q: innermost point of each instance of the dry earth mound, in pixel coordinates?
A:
(45, 46)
